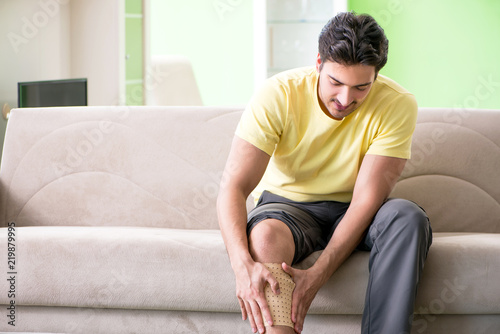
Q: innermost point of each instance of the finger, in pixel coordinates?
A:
(295, 305)
(298, 328)
(299, 320)
(288, 269)
(273, 283)
(243, 310)
(299, 324)
(257, 316)
(266, 312)
(248, 311)
(299, 317)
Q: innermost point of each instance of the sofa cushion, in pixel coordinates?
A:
(122, 267)
(169, 269)
(458, 278)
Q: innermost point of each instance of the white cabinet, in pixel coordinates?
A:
(107, 38)
(286, 33)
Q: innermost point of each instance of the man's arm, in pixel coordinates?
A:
(245, 167)
(376, 179)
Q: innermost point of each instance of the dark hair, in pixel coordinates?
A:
(351, 39)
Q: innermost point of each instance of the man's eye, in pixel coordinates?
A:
(361, 88)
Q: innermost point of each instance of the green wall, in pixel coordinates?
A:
(134, 90)
(446, 52)
(217, 36)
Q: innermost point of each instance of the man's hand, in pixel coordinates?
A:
(307, 285)
(251, 279)
(244, 168)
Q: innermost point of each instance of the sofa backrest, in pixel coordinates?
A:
(161, 167)
(454, 171)
(127, 166)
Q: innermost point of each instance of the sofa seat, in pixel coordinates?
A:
(123, 267)
(132, 268)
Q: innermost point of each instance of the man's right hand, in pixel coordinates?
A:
(244, 169)
(251, 280)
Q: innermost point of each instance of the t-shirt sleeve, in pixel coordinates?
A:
(397, 124)
(262, 121)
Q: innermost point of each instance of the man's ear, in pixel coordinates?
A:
(318, 63)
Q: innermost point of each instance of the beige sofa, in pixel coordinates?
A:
(112, 214)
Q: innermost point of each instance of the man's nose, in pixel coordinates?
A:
(345, 97)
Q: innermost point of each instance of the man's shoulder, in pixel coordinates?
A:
(387, 92)
(388, 85)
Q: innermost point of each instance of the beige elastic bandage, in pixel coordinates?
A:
(280, 305)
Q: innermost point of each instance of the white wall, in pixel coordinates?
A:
(34, 45)
(97, 48)
(62, 39)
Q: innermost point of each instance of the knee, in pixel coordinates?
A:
(270, 240)
(412, 218)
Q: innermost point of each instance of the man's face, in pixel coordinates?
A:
(341, 88)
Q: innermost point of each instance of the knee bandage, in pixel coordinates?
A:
(280, 305)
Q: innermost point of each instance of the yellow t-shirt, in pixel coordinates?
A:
(314, 157)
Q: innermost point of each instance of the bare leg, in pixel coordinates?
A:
(271, 241)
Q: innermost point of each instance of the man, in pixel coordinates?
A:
(321, 148)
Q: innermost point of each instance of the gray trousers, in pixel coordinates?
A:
(398, 239)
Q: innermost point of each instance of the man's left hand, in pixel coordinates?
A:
(306, 287)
